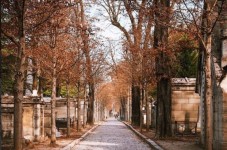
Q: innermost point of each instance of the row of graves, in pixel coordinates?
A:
(37, 117)
(185, 112)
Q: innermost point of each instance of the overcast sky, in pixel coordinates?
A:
(107, 31)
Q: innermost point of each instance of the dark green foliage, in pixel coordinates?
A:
(188, 64)
(8, 67)
(186, 58)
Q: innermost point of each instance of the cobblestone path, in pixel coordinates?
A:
(112, 135)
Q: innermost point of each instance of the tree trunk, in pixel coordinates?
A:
(90, 117)
(68, 110)
(18, 95)
(208, 97)
(208, 109)
(129, 104)
(135, 105)
(123, 108)
(148, 112)
(78, 108)
(141, 108)
(58, 89)
(85, 108)
(40, 87)
(0, 81)
(89, 77)
(163, 121)
(163, 124)
(53, 104)
(34, 85)
(75, 114)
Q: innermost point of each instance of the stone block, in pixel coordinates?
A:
(193, 119)
(183, 119)
(196, 107)
(224, 128)
(187, 107)
(176, 95)
(177, 119)
(225, 136)
(176, 107)
(193, 100)
(28, 121)
(177, 92)
(188, 93)
(225, 118)
(224, 109)
(183, 88)
(193, 114)
(178, 114)
(224, 145)
(180, 101)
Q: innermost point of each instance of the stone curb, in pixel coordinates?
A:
(75, 142)
(146, 139)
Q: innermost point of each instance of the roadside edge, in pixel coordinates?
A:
(144, 138)
(76, 141)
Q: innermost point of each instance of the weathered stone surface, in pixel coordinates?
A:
(176, 107)
(194, 100)
(112, 135)
(196, 107)
(180, 101)
(224, 53)
(28, 121)
(187, 107)
(178, 114)
(185, 102)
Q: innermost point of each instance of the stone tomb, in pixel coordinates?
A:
(36, 116)
(185, 106)
(31, 117)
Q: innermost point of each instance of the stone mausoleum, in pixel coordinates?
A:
(185, 106)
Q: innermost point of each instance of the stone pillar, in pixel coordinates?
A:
(224, 47)
(29, 79)
(223, 25)
(43, 118)
(37, 122)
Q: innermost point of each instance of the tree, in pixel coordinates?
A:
(86, 50)
(90, 64)
(55, 54)
(137, 41)
(162, 14)
(17, 36)
(20, 19)
(121, 83)
(105, 98)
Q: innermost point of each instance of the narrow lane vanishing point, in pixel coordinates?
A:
(112, 135)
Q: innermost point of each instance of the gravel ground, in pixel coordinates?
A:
(112, 135)
(178, 145)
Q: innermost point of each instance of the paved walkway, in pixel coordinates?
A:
(112, 135)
